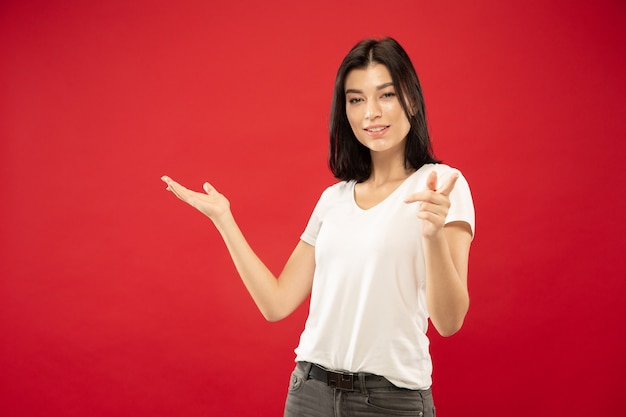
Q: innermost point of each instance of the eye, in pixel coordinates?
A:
(355, 100)
(389, 94)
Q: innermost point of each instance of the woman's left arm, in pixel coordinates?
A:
(446, 255)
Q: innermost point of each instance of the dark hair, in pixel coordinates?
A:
(348, 158)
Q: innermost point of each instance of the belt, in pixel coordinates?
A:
(348, 381)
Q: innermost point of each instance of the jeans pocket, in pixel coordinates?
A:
(296, 381)
(398, 402)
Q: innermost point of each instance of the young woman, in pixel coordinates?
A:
(385, 249)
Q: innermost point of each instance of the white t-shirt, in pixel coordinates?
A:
(368, 306)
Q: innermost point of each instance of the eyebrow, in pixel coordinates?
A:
(380, 87)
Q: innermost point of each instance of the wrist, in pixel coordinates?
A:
(436, 237)
(223, 220)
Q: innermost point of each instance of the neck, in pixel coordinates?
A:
(386, 170)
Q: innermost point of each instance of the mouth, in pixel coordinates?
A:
(376, 130)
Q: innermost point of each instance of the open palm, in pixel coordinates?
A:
(211, 202)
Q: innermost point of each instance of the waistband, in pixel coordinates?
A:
(343, 380)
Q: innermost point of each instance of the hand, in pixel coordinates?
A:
(434, 204)
(211, 203)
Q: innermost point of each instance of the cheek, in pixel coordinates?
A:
(400, 119)
(394, 110)
(406, 123)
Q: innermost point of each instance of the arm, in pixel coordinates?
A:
(276, 297)
(446, 255)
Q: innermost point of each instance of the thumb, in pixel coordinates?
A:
(446, 189)
(208, 187)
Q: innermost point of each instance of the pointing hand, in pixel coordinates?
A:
(434, 203)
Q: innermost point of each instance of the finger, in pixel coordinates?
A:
(439, 210)
(170, 183)
(431, 185)
(426, 195)
(208, 188)
(419, 196)
(177, 189)
(431, 181)
(166, 180)
(428, 216)
(430, 220)
(446, 189)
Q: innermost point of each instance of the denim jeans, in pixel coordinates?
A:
(309, 397)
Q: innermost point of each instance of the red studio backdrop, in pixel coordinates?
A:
(117, 299)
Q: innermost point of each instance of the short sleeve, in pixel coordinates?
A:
(315, 221)
(462, 204)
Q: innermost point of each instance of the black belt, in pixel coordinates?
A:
(348, 381)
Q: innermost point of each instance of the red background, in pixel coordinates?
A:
(116, 299)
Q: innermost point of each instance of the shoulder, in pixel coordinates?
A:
(337, 190)
(333, 195)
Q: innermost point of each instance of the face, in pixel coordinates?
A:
(374, 111)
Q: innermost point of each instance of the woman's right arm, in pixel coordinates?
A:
(276, 297)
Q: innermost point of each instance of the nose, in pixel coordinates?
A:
(372, 110)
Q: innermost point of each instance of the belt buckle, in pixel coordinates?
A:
(340, 381)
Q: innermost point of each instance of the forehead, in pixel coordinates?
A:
(371, 76)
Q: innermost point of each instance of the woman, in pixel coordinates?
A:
(384, 250)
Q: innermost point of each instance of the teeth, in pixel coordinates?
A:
(376, 129)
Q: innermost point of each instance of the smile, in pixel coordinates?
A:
(376, 131)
